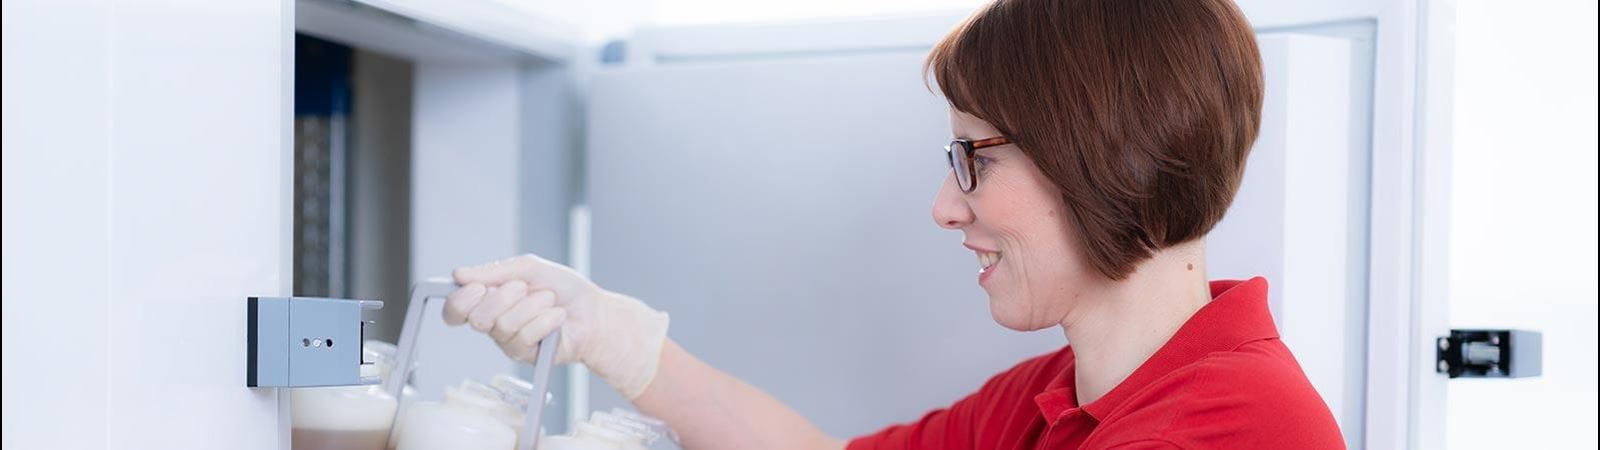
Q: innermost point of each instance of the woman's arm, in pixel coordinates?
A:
(710, 409)
(519, 301)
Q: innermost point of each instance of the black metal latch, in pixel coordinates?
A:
(1491, 354)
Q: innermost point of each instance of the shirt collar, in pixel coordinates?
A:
(1237, 314)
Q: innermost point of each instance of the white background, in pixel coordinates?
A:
(1523, 248)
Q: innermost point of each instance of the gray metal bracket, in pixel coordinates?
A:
(305, 342)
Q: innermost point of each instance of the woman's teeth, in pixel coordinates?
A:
(987, 259)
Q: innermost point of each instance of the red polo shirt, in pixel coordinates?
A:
(1224, 380)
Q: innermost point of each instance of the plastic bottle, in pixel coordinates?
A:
(516, 393)
(616, 430)
(473, 416)
(347, 417)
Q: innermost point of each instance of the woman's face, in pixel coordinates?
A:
(1017, 225)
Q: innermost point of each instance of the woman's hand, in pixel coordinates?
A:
(520, 300)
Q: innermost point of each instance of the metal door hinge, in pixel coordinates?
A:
(305, 342)
(1490, 354)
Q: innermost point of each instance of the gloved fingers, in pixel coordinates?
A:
(460, 303)
(507, 325)
(523, 267)
(495, 304)
(525, 345)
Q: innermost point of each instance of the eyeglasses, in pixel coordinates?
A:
(960, 153)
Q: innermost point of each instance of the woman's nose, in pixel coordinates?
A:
(950, 209)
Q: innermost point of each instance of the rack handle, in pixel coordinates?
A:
(434, 288)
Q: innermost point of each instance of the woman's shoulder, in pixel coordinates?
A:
(1256, 396)
(1260, 369)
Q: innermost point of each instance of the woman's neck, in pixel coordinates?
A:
(1120, 324)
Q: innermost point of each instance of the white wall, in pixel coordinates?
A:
(146, 196)
(1524, 223)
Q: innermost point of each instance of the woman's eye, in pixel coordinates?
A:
(981, 161)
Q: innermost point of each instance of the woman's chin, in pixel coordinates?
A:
(1009, 316)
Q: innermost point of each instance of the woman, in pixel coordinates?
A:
(1097, 142)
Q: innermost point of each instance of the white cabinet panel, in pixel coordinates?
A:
(147, 196)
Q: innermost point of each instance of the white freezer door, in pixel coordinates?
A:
(147, 195)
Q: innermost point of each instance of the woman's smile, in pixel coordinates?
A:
(988, 261)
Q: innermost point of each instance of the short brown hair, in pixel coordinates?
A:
(1142, 112)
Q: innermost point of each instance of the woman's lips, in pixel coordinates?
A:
(987, 263)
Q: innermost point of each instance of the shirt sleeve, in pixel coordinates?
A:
(957, 426)
(947, 428)
(962, 424)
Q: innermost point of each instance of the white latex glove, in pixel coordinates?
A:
(520, 300)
